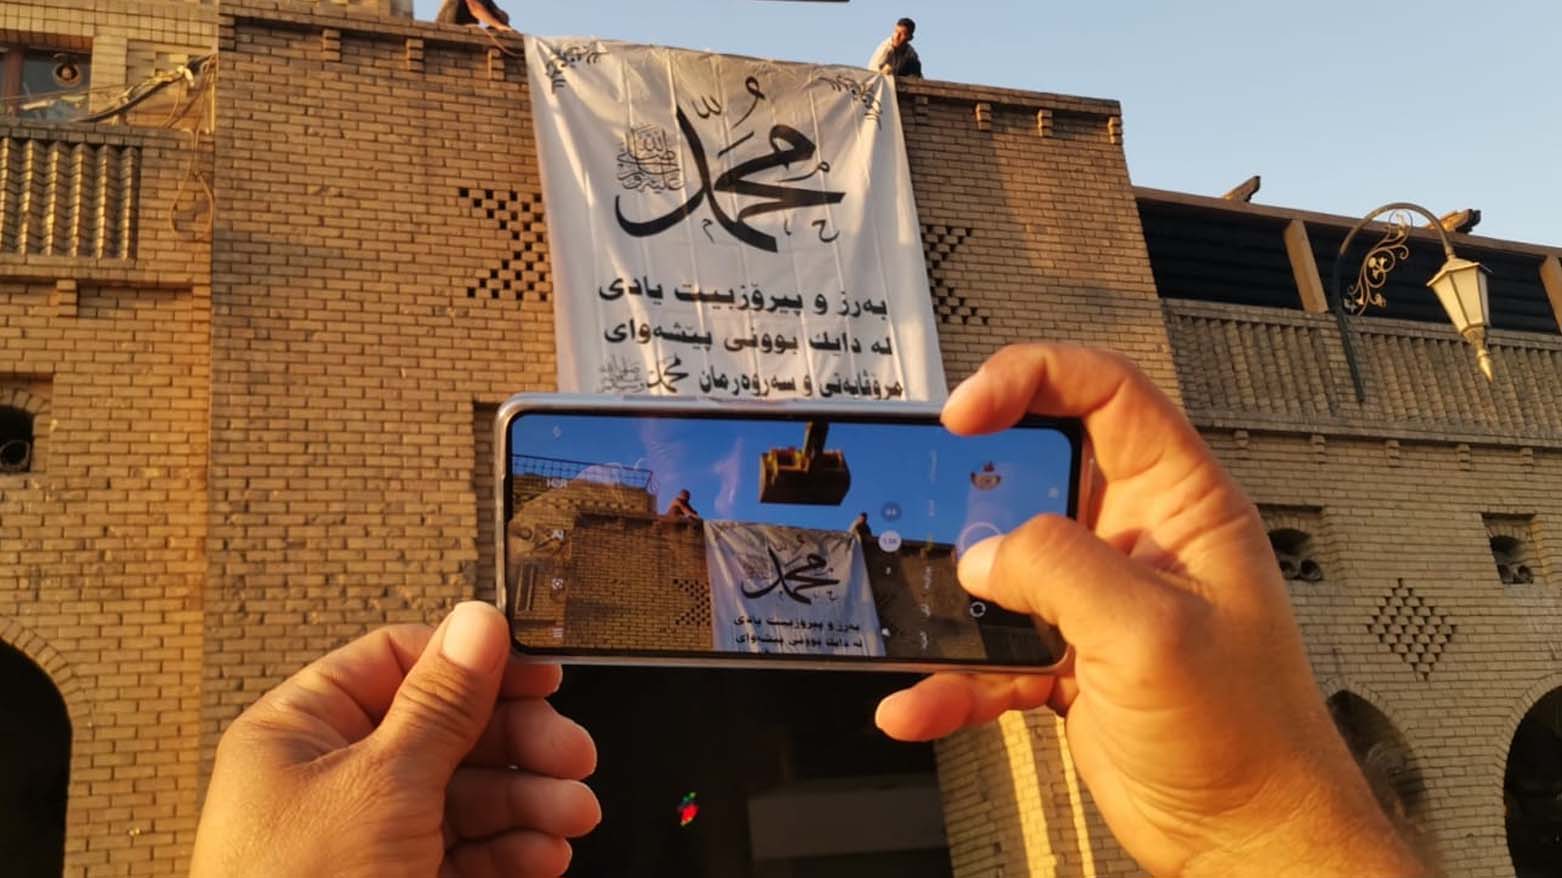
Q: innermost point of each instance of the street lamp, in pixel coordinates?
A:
(1460, 286)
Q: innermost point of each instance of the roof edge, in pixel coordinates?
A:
(1316, 218)
(299, 14)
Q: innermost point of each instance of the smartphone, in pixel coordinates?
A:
(648, 531)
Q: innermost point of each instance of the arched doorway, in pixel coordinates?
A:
(35, 747)
(1532, 791)
(1386, 761)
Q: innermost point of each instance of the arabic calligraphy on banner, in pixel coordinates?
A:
(778, 589)
(728, 226)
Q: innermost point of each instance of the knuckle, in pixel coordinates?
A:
(437, 703)
(1036, 542)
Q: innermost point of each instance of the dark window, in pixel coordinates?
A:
(1511, 540)
(16, 440)
(1294, 551)
(1218, 256)
(1517, 297)
(44, 84)
(1511, 560)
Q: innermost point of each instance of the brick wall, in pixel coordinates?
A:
(379, 282)
(104, 336)
(1031, 232)
(102, 553)
(1030, 225)
(355, 287)
(1403, 523)
(348, 359)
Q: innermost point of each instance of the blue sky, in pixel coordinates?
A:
(1341, 106)
(924, 470)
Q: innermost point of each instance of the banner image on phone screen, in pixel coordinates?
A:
(687, 535)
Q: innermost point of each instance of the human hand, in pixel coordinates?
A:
(1190, 709)
(410, 751)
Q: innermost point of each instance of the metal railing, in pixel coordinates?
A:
(565, 471)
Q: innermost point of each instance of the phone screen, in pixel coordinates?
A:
(676, 535)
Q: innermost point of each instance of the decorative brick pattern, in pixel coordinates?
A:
(698, 615)
(939, 244)
(331, 44)
(1420, 522)
(524, 275)
(1412, 628)
(65, 197)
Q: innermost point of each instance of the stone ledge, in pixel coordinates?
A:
(96, 133)
(93, 272)
(1360, 326)
(1372, 431)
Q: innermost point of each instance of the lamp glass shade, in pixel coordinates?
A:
(1461, 286)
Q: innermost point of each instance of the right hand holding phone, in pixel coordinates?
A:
(1190, 708)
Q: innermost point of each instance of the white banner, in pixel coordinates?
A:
(729, 226)
(778, 589)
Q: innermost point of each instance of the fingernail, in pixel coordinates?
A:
(887, 704)
(977, 564)
(470, 637)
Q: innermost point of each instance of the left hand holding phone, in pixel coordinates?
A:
(410, 751)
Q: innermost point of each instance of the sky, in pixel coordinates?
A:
(924, 471)
(1340, 106)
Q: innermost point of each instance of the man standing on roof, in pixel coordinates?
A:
(681, 509)
(895, 57)
(473, 12)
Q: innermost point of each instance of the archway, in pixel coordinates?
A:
(1386, 761)
(1532, 791)
(35, 744)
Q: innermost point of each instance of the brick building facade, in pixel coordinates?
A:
(255, 438)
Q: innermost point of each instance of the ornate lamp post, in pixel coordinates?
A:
(1460, 286)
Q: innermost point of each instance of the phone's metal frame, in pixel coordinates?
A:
(1080, 476)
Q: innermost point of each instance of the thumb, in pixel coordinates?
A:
(1055, 568)
(446, 700)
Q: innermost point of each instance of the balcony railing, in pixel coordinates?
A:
(1279, 369)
